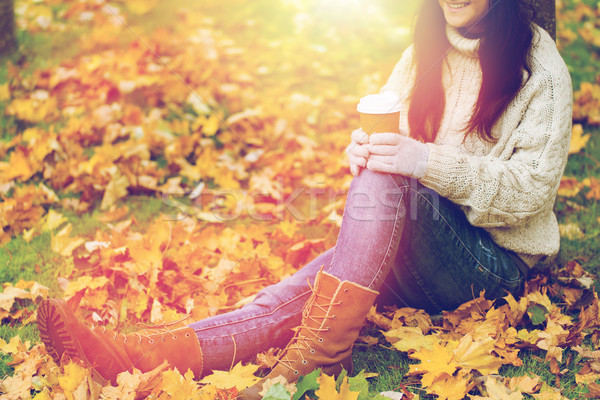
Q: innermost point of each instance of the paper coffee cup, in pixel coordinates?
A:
(380, 113)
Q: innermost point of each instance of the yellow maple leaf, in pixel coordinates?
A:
(116, 189)
(288, 228)
(529, 336)
(525, 384)
(517, 308)
(8, 296)
(4, 92)
(17, 386)
(147, 250)
(586, 379)
(63, 244)
(240, 377)
(127, 385)
(471, 354)
(496, 390)
(84, 283)
(549, 393)
(73, 377)
(18, 167)
(180, 387)
(53, 220)
(578, 139)
(552, 337)
(434, 363)
(541, 298)
(14, 346)
(327, 389)
(450, 387)
(410, 338)
(39, 108)
(42, 396)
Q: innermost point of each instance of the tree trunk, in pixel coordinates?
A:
(546, 16)
(7, 27)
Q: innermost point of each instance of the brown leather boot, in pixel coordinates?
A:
(110, 353)
(331, 322)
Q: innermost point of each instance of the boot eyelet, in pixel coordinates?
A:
(312, 351)
(174, 337)
(187, 335)
(150, 341)
(304, 362)
(346, 291)
(296, 372)
(125, 341)
(320, 340)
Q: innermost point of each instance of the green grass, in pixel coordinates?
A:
(391, 365)
(534, 365)
(22, 260)
(27, 333)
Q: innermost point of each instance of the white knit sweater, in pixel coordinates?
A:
(507, 187)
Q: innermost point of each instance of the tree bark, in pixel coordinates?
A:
(8, 40)
(546, 15)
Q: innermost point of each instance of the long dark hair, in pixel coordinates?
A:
(503, 55)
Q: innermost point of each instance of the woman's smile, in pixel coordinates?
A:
(457, 5)
(465, 14)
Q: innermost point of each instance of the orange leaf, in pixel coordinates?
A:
(569, 187)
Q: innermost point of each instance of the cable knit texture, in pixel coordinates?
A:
(509, 186)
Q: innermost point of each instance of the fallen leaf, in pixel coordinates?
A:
(328, 391)
(496, 390)
(578, 139)
(240, 377)
(63, 244)
(434, 363)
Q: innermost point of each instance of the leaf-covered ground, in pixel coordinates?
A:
(164, 159)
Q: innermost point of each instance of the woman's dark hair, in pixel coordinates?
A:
(503, 55)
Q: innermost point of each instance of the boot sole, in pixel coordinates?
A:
(52, 321)
(54, 332)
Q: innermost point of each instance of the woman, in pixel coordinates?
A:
(460, 202)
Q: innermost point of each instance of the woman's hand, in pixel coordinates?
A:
(397, 154)
(357, 151)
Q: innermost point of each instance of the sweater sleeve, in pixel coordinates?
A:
(519, 178)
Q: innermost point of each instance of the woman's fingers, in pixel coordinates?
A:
(388, 138)
(381, 158)
(354, 169)
(360, 151)
(382, 149)
(379, 166)
(361, 161)
(360, 137)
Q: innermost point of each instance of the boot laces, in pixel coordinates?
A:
(308, 334)
(150, 330)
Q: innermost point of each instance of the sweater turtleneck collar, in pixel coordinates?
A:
(465, 45)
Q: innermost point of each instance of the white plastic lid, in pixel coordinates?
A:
(382, 103)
